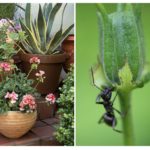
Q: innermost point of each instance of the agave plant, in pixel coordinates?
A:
(39, 40)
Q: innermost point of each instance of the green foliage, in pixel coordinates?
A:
(65, 132)
(121, 43)
(17, 83)
(39, 40)
(9, 39)
(7, 10)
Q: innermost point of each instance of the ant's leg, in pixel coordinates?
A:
(93, 80)
(120, 113)
(98, 99)
(114, 98)
(101, 119)
(113, 126)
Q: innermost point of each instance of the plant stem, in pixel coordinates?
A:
(29, 72)
(36, 85)
(125, 100)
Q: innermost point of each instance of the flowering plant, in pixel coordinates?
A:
(17, 91)
(10, 35)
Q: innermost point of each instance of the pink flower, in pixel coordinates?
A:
(34, 60)
(9, 40)
(51, 98)
(12, 97)
(5, 66)
(40, 74)
(28, 100)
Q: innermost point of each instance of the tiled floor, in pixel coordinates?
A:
(42, 134)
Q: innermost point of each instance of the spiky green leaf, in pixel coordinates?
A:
(51, 20)
(47, 11)
(58, 38)
(28, 15)
(31, 39)
(42, 28)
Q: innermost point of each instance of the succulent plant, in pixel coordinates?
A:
(39, 40)
(121, 63)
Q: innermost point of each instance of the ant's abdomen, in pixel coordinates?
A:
(110, 119)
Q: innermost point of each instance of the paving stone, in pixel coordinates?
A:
(28, 139)
(49, 142)
(6, 141)
(45, 131)
(39, 124)
(51, 121)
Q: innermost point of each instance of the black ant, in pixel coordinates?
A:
(108, 117)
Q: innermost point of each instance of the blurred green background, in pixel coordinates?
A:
(88, 131)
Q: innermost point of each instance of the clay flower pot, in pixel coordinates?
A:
(15, 124)
(68, 47)
(51, 65)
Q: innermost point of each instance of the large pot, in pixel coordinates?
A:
(51, 64)
(15, 124)
(68, 47)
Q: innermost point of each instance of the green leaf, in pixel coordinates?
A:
(51, 20)
(58, 38)
(145, 77)
(27, 47)
(126, 78)
(47, 11)
(98, 77)
(121, 7)
(14, 36)
(35, 31)
(28, 15)
(127, 41)
(42, 28)
(31, 39)
(107, 47)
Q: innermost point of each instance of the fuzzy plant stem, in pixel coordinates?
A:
(125, 103)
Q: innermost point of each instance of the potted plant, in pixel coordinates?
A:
(9, 37)
(68, 47)
(18, 100)
(41, 44)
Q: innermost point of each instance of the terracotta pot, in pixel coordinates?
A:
(68, 47)
(17, 60)
(15, 124)
(44, 110)
(51, 64)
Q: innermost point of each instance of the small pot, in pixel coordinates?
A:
(15, 124)
(68, 47)
(44, 110)
(51, 65)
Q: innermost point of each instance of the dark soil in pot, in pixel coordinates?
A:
(51, 64)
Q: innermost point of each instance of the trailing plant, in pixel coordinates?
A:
(7, 10)
(121, 64)
(65, 131)
(39, 39)
(17, 91)
(10, 36)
